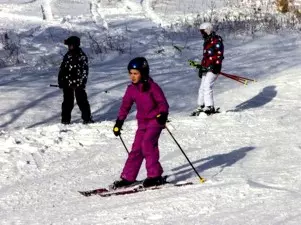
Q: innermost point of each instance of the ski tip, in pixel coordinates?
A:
(93, 192)
(85, 193)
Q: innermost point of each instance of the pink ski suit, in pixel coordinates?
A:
(149, 104)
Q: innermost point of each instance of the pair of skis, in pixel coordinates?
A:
(208, 114)
(104, 192)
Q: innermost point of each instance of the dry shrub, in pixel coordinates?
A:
(282, 5)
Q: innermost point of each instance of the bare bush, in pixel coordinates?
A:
(282, 5)
(106, 43)
(248, 23)
(11, 49)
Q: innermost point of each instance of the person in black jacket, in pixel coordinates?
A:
(72, 78)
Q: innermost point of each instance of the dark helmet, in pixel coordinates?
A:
(73, 40)
(140, 64)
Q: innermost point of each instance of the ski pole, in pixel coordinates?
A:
(202, 180)
(53, 85)
(124, 144)
(239, 77)
(245, 82)
(235, 77)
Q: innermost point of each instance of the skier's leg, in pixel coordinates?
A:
(67, 105)
(83, 104)
(200, 100)
(208, 92)
(201, 92)
(150, 151)
(135, 157)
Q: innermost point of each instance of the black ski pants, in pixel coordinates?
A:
(82, 102)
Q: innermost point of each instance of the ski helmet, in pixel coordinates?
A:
(206, 27)
(140, 64)
(73, 40)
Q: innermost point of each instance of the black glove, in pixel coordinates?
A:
(61, 84)
(202, 70)
(216, 69)
(83, 86)
(162, 118)
(117, 127)
(83, 83)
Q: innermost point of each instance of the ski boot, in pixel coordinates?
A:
(209, 110)
(88, 121)
(153, 181)
(65, 122)
(121, 184)
(198, 110)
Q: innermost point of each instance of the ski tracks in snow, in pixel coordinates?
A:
(97, 10)
(27, 154)
(131, 6)
(47, 10)
(39, 5)
(15, 17)
(145, 7)
(151, 14)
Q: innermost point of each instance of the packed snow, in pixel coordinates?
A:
(249, 153)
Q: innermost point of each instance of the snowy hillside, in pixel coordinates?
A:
(249, 154)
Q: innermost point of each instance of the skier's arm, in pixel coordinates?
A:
(160, 99)
(60, 77)
(62, 72)
(126, 105)
(85, 69)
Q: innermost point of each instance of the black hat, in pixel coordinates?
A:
(73, 40)
(140, 64)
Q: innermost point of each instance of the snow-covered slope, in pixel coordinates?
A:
(249, 153)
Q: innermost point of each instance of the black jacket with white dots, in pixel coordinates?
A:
(74, 69)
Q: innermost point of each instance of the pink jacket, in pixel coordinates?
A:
(149, 103)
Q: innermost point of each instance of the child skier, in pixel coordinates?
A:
(152, 112)
(209, 69)
(72, 79)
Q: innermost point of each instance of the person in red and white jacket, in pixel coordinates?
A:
(211, 66)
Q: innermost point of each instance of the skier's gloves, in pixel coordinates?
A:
(162, 118)
(60, 84)
(192, 63)
(216, 69)
(83, 83)
(196, 65)
(117, 127)
(203, 69)
(200, 74)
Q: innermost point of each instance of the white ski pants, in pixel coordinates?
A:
(205, 91)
